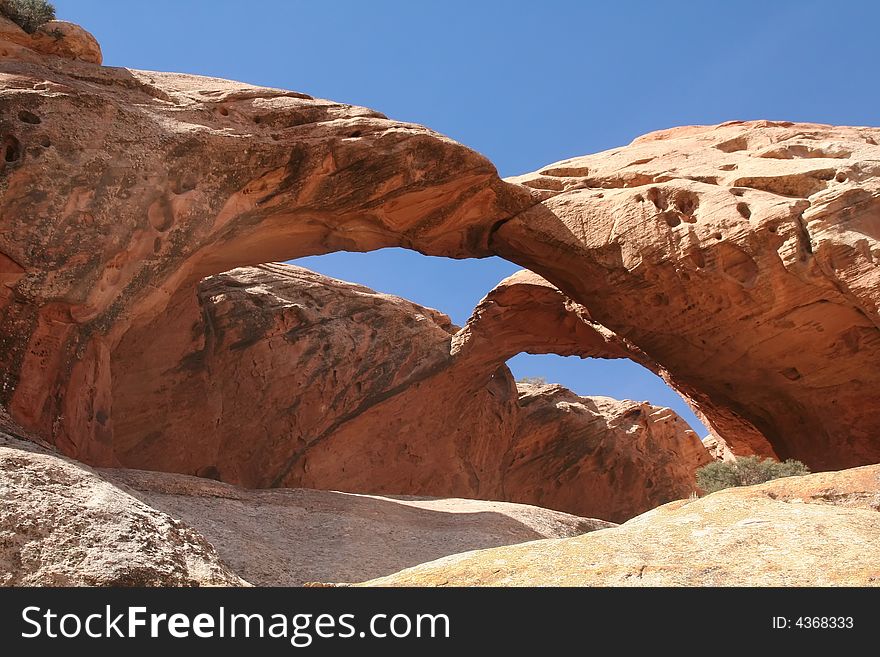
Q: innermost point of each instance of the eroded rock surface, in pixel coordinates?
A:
(816, 530)
(718, 448)
(57, 38)
(64, 524)
(120, 190)
(736, 261)
(741, 258)
(292, 378)
(61, 524)
(599, 454)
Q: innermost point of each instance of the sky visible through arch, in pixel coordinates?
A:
(524, 83)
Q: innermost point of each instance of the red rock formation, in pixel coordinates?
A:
(817, 530)
(599, 454)
(295, 379)
(737, 261)
(158, 180)
(279, 357)
(58, 38)
(742, 258)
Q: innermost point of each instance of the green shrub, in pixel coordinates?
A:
(28, 14)
(746, 471)
(533, 380)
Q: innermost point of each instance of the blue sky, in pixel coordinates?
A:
(525, 83)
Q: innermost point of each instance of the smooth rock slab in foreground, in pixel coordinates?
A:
(61, 524)
(817, 530)
(289, 537)
(64, 524)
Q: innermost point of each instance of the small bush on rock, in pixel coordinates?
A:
(533, 380)
(746, 471)
(28, 14)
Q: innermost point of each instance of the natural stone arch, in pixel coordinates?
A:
(743, 258)
(163, 179)
(299, 380)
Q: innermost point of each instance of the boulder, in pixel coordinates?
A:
(54, 38)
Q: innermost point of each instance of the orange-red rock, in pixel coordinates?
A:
(121, 189)
(741, 258)
(296, 379)
(599, 454)
(737, 261)
(58, 38)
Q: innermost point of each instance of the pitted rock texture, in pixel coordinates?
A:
(121, 189)
(737, 261)
(817, 530)
(741, 258)
(61, 524)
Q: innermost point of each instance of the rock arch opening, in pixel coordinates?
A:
(619, 379)
(454, 287)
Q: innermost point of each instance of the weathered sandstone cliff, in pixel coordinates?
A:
(736, 261)
(296, 379)
(743, 259)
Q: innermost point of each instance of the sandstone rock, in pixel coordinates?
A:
(288, 537)
(277, 359)
(67, 40)
(63, 525)
(58, 38)
(718, 448)
(741, 258)
(366, 392)
(737, 261)
(121, 189)
(600, 456)
(817, 530)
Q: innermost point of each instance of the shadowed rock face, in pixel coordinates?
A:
(742, 258)
(573, 452)
(292, 378)
(64, 524)
(738, 261)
